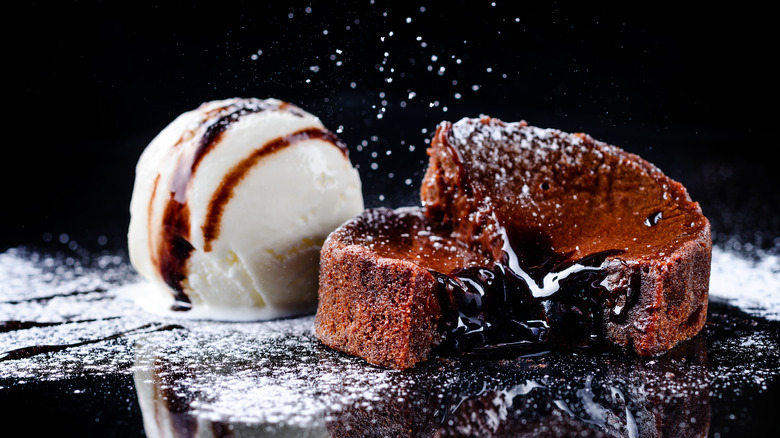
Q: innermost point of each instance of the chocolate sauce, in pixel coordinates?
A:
(14, 325)
(51, 297)
(531, 299)
(654, 218)
(27, 352)
(223, 194)
(175, 248)
(227, 117)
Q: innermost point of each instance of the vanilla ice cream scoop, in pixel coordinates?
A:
(231, 204)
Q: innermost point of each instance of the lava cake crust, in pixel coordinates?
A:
(378, 297)
(488, 187)
(586, 196)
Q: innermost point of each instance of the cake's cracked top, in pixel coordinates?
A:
(587, 196)
(508, 187)
(530, 239)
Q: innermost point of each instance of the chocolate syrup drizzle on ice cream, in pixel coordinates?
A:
(196, 167)
(174, 248)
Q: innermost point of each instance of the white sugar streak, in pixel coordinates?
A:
(753, 286)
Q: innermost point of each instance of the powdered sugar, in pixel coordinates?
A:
(274, 377)
(751, 285)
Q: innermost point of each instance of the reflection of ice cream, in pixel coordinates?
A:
(231, 204)
(273, 379)
(171, 408)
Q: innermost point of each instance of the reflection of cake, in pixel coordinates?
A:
(546, 396)
(188, 388)
(592, 243)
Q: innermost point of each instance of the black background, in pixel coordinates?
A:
(89, 84)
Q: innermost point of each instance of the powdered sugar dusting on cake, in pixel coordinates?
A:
(476, 137)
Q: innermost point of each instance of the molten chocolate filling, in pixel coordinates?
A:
(528, 300)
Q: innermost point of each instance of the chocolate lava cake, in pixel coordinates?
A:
(528, 239)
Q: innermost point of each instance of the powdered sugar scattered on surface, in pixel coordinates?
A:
(243, 373)
(751, 285)
(275, 377)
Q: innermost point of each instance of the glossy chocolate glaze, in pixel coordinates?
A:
(496, 311)
(174, 247)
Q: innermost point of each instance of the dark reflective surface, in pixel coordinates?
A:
(134, 374)
(556, 394)
(685, 89)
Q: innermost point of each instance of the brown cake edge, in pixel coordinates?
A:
(673, 298)
(673, 289)
(387, 311)
(384, 310)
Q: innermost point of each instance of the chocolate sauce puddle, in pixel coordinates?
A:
(27, 352)
(532, 299)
